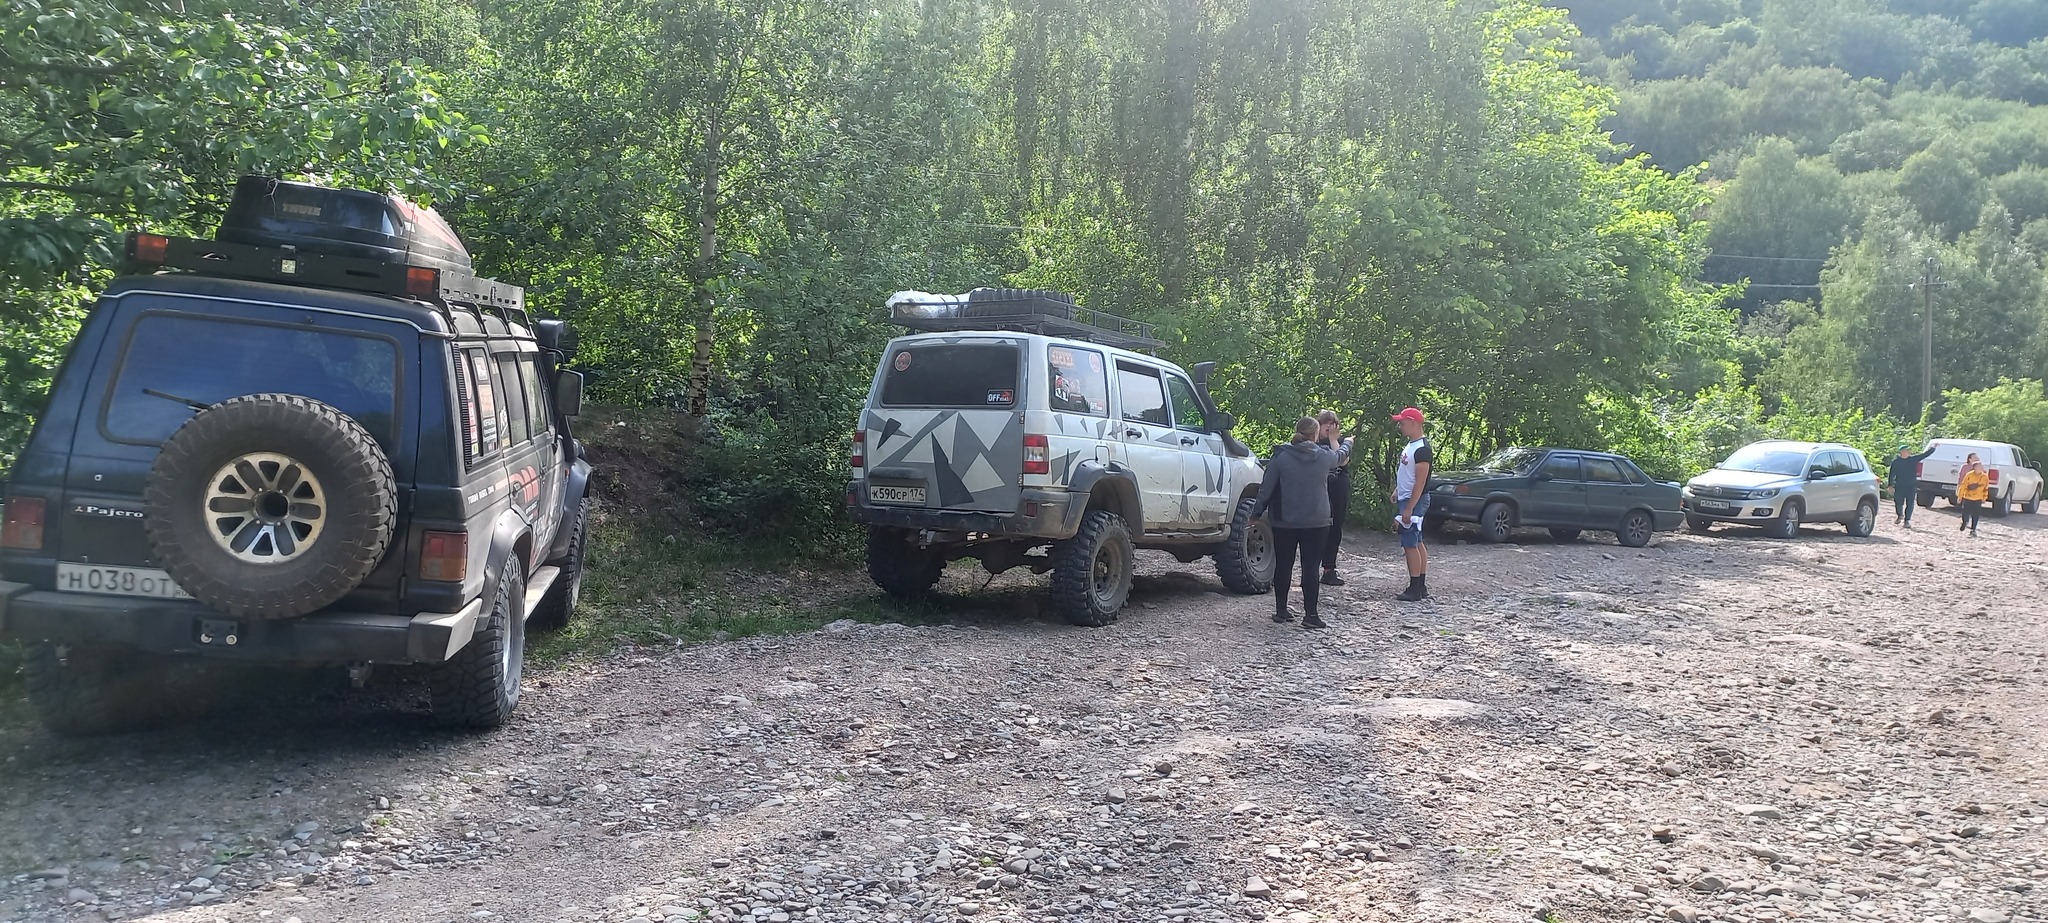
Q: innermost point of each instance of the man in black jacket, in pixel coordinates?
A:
(1905, 481)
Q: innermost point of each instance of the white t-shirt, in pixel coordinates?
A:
(1404, 482)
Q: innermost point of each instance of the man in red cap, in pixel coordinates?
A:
(1411, 501)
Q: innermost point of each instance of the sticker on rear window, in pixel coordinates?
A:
(1002, 397)
(1060, 358)
(903, 361)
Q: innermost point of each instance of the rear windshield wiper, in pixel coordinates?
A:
(195, 405)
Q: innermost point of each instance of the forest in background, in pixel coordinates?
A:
(1666, 228)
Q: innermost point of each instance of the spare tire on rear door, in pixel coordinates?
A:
(270, 506)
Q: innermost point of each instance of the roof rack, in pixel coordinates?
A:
(1023, 311)
(443, 288)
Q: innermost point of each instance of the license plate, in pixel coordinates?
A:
(906, 496)
(1714, 504)
(118, 581)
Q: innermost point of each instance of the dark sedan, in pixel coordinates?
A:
(1564, 490)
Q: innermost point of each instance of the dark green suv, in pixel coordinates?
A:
(317, 439)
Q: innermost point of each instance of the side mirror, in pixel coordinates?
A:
(1539, 477)
(1219, 421)
(556, 335)
(569, 392)
(1816, 474)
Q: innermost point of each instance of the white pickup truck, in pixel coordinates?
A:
(2014, 479)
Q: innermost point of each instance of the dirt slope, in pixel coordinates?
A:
(1712, 728)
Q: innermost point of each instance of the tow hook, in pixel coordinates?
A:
(220, 631)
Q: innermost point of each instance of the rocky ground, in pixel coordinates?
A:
(1724, 728)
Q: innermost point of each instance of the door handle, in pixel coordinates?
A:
(1134, 433)
(1189, 440)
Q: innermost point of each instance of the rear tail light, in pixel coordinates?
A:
(21, 524)
(1920, 470)
(444, 556)
(1037, 455)
(860, 449)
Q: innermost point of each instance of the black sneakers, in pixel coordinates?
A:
(1283, 616)
(1314, 621)
(1330, 578)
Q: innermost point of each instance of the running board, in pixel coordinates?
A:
(538, 585)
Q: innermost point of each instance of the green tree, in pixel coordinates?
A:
(122, 114)
(2014, 410)
(1678, 123)
(1944, 187)
(1776, 223)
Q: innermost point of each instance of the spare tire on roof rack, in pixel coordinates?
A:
(1018, 302)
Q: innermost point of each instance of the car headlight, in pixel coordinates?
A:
(1763, 494)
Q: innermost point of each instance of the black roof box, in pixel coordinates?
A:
(267, 212)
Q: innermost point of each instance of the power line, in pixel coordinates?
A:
(1774, 259)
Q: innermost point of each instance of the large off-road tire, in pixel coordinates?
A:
(899, 566)
(1636, 529)
(270, 506)
(1788, 521)
(559, 604)
(1497, 522)
(1092, 572)
(1006, 302)
(2001, 506)
(1700, 525)
(1865, 521)
(1245, 563)
(479, 687)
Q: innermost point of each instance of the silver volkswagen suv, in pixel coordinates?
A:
(1781, 485)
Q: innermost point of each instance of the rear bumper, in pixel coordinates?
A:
(179, 627)
(1045, 514)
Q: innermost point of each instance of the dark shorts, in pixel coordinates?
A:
(1411, 536)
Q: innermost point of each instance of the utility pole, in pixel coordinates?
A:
(1927, 285)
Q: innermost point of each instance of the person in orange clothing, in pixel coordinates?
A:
(1973, 487)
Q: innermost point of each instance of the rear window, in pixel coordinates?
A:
(959, 375)
(183, 358)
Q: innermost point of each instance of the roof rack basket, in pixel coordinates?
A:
(445, 288)
(1021, 310)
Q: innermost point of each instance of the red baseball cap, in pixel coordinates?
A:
(1408, 413)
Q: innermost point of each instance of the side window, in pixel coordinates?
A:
(1187, 409)
(491, 422)
(1562, 467)
(1077, 381)
(1605, 471)
(1840, 463)
(536, 399)
(513, 394)
(1144, 397)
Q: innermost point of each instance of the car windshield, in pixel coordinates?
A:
(1765, 459)
(1509, 461)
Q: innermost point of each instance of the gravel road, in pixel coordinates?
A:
(1724, 728)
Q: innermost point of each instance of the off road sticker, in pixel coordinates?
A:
(1001, 396)
(903, 361)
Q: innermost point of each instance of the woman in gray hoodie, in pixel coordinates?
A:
(1294, 499)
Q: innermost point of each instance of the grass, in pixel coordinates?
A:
(647, 588)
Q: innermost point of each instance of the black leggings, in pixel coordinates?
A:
(1340, 503)
(1973, 510)
(1285, 541)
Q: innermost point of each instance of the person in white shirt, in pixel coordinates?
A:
(1411, 501)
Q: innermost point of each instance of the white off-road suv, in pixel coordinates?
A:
(1022, 430)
